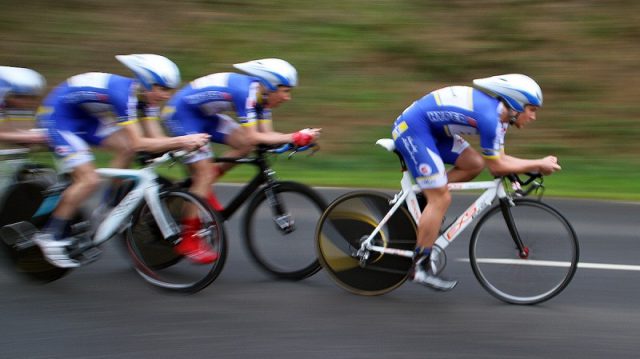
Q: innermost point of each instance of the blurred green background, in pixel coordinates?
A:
(362, 62)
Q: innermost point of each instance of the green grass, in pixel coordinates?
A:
(596, 179)
(362, 62)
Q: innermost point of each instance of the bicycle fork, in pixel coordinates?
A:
(283, 220)
(505, 208)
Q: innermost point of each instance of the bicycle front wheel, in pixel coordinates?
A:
(348, 221)
(539, 270)
(155, 259)
(278, 231)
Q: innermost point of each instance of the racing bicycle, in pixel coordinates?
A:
(280, 216)
(164, 211)
(522, 251)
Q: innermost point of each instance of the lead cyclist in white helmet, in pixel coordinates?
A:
(102, 110)
(20, 91)
(203, 106)
(429, 134)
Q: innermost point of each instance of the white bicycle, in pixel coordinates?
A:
(522, 250)
(150, 216)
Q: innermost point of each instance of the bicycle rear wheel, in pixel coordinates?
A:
(545, 268)
(155, 259)
(349, 220)
(17, 227)
(283, 245)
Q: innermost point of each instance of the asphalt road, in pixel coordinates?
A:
(105, 310)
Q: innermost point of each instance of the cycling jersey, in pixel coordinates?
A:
(202, 107)
(428, 133)
(86, 109)
(197, 106)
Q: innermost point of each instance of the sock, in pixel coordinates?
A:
(57, 227)
(421, 257)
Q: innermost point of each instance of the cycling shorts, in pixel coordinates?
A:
(185, 122)
(424, 154)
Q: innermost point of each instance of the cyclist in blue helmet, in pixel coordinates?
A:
(20, 92)
(100, 109)
(203, 105)
(429, 133)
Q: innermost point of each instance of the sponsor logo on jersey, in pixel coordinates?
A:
(425, 169)
(63, 150)
(207, 96)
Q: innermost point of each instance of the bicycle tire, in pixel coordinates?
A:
(552, 253)
(347, 221)
(289, 256)
(154, 257)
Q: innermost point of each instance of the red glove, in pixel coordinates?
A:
(303, 137)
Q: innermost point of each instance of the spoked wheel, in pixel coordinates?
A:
(542, 269)
(282, 244)
(154, 257)
(349, 220)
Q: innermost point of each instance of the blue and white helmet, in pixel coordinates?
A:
(21, 81)
(271, 72)
(515, 89)
(152, 69)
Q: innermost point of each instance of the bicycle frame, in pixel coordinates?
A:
(492, 190)
(146, 188)
(265, 175)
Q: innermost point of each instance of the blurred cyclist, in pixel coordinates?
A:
(200, 107)
(100, 109)
(20, 89)
(427, 134)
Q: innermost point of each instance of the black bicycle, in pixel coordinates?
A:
(280, 217)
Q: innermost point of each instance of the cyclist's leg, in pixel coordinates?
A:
(76, 158)
(423, 160)
(230, 133)
(119, 145)
(468, 163)
(227, 132)
(181, 120)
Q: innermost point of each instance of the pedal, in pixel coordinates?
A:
(89, 255)
(285, 223)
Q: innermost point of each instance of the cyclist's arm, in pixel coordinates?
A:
(256, 137)
(141, 143)
(22, 137)
(152, 128)
(505, 164)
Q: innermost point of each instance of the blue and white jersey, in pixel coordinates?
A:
(86, 109)
(429, 133)
(95, 95)
(457, 110)
(206, 97)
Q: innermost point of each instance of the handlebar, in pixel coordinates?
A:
(290, 147)
(523, 188)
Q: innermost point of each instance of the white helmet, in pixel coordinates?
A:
(21, 81)
(271, 72)
(515, 89)
(152, 69)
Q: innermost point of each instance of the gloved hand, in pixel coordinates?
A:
(304, 137)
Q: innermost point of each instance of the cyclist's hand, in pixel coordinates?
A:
(195, 141)
(306, 136)
(548, 165)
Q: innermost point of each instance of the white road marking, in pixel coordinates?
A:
(607, 266)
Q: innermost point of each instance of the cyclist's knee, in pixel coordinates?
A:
(438, 197)
(89, 181)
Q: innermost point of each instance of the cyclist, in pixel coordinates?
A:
(201, 105)
(100, 109)
(20, 89)
(428, 135)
